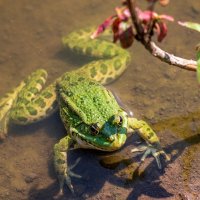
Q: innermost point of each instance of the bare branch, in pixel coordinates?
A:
(190, 65)
(164, 56)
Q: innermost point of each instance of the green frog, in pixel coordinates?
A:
(90, 113)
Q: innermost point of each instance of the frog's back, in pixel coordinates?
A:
(91, 100)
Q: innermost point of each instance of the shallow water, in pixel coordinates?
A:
(165, 96)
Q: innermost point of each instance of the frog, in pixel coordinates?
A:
(91, 115)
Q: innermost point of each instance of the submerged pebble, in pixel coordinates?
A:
(30, 177)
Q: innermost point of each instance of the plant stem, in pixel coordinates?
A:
(145, 39)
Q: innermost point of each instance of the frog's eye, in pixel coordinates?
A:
(95, 129)
(117, 120)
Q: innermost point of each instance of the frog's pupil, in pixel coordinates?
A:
(94, 129)
(120, 120)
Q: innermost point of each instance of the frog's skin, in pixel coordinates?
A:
(91, 115)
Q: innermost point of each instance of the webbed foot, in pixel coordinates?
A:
(155, 150)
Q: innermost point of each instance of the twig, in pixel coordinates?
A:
(190, 65)
(137, 25)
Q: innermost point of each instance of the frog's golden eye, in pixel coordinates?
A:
(117, 120)
(95, 129)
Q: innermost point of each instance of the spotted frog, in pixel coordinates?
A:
(90, 113)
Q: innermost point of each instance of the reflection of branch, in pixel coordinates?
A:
(190, 65)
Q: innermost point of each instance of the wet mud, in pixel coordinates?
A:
(167, 97)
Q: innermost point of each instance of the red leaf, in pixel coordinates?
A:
(101, 28)
(166, 17)
(126, 38)
(161, 29)
(115, 29)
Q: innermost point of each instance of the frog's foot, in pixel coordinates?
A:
(5, 106)
(66, 178)
(154, 150)
(3, 128)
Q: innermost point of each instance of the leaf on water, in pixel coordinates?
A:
(198, 66)
(191, 25)
(196, 27)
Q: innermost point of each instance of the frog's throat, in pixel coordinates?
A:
(98, 142)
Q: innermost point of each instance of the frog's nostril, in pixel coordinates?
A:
(111, 138)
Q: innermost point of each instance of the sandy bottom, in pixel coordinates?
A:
(165, 96)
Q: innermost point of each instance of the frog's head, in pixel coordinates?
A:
(109, 135)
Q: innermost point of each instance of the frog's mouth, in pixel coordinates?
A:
(100, 142)
(110, 136)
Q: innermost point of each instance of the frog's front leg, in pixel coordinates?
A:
(60, 163)
(152, 140)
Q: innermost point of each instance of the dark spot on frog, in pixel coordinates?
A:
(33, 90)
(103, 68)
(91, 83)
(40, 102)
(22, 119)
(73, 84)
(93, 72)
(23, 101)
(81, 79)
(82, 100)
(66, 78)
(69, 93)
(32, 110)
(47, 95)
(40, 81)
(60, 161)
(117, 64)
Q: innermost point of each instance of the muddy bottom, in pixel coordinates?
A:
(166, 97)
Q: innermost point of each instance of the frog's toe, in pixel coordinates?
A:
(66, 178)
(69, 184)
(154, 150)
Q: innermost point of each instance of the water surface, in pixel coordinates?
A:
(167, 97)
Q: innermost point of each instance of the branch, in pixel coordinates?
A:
(190, 65)
(138, 27)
